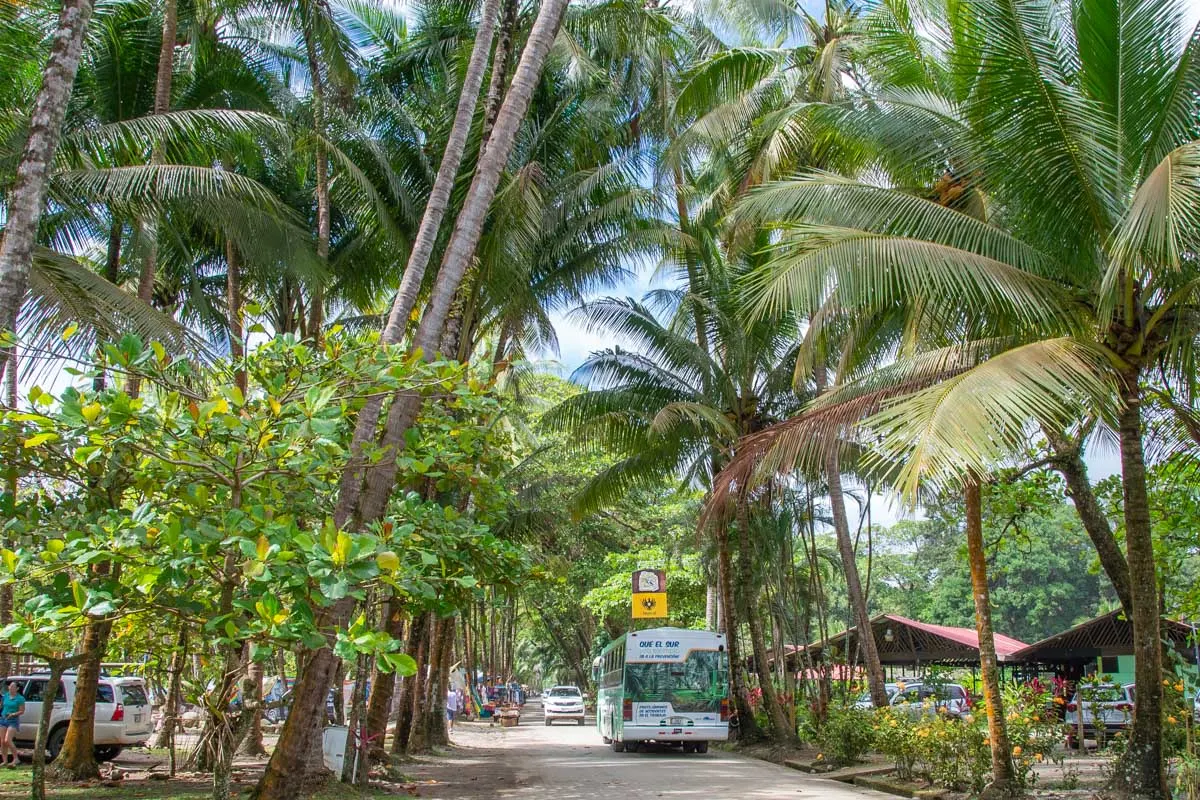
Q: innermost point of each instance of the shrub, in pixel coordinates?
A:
(954, 752)
(896, 737)
(846, 735)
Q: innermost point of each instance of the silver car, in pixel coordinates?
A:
(916, 696)
(1106, 705)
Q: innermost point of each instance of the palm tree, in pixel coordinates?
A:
(29, 190)
(1056, 200)
(280, 779)
(673, 409)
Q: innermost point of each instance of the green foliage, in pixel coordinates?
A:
(198, 501)
(844, 736)
(1042, 568)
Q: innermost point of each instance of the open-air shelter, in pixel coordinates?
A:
(1103, 645)
(907, 645)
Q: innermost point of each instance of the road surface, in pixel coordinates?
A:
(569, 762)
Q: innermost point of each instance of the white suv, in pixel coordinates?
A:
(563, 702)
(122, 713)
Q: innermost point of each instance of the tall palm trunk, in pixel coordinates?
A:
(1003, 777)
(234, 311)
(1068, 460)
(33, 170)
(162, 104)
(460, 251)
(422, 250)
(501, 66)
(780, 727)
(748, 730)
(316, 306)
(1140, 771)
(858, 599)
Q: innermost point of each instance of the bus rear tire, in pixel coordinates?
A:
(689, 747)
(617, 747)
(701, 747)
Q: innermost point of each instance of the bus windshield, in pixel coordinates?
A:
(698, 683)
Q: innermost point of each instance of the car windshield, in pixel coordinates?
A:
(134, 694)
(564, 691)
(699, 683)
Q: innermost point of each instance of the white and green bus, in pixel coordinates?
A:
(666, 685)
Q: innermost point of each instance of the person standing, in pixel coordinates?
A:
(451, 707)
(11, 709)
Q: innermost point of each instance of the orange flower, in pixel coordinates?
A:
(1017, 751)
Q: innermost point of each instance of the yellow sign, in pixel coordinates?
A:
(650, 605)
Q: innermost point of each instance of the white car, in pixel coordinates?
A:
(122, 713)
(563, 702)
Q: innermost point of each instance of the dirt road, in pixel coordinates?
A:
(567, 762)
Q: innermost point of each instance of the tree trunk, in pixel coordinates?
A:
(383, 687)
(1003, 776)
(439, 732)
(350, 487)
(170, 716)
(418, 633)
(162, 104)
(28, 192)
(77, 759)
(252, 744)
(1140, 771)
(747, 730)
(1069, 462)
(337, 684)
(781, 730)
(38, 779)
(501, 63)
(233, 301)
(316, 308)
(461, 250)
(355, 766)
(858, 600)
(416, 739)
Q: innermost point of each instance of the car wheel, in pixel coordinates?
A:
(547, 723)
(701, 747)
(618, 747)
(54, 743)
(581, 722)
(106, 752)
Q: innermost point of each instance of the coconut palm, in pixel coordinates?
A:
(670, 408)
(1058, 199)
(29, 190)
